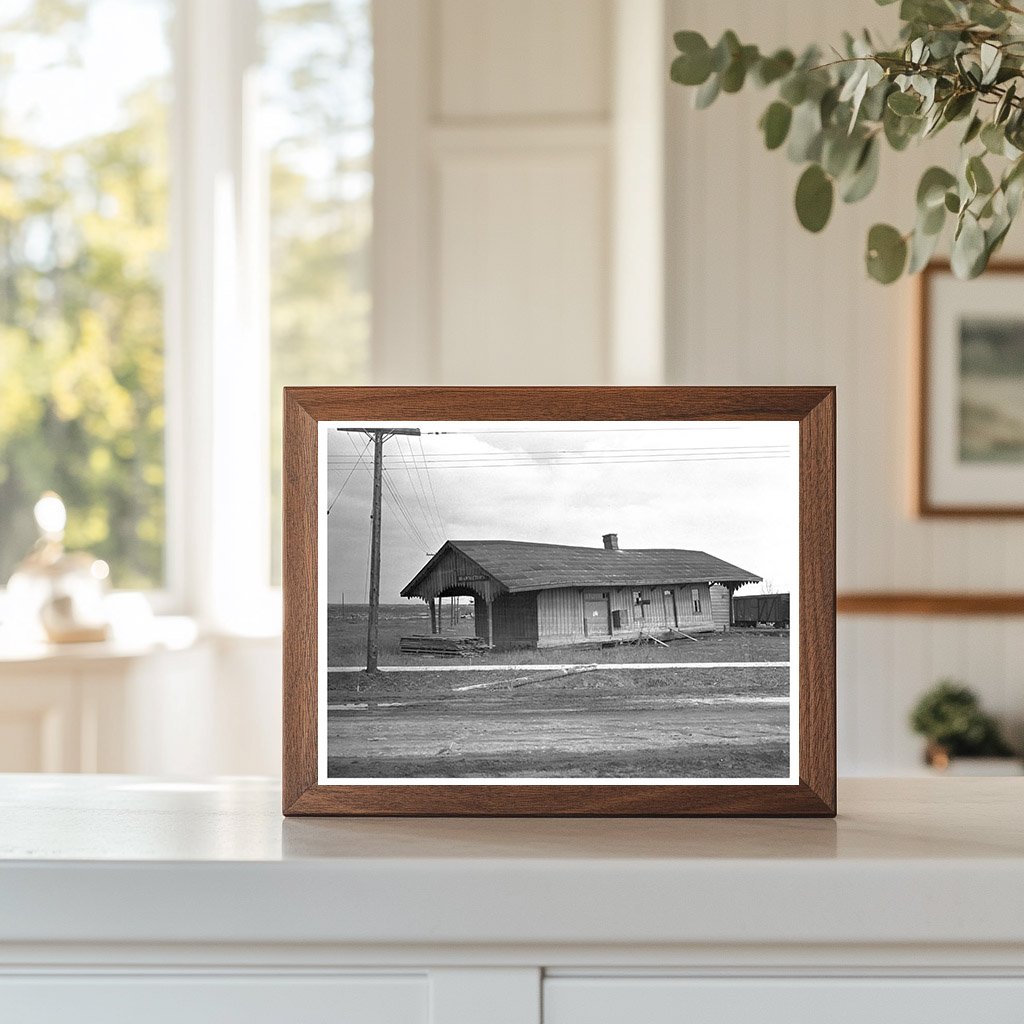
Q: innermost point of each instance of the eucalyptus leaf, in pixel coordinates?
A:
(987, 15)
(814, 196)
(922, 248)
(840, 152)
(794, 88)
(958, 105)
(991, 60)
(735, 74)
(932, 220)
(973, 130)
(775, 124)
(1005, 105)
(900, 130)
(771, 69)
(805, 133)
(903, 103)
(873, 106)
(865, 173)
(691, 70)
(978, 176)
(724, 51)
(925, 88)
(827, 106)
(968, 247)
(886, 253)
(993, 138)
(707, 93)
(1014, 192)
(931, 190)
(944, 44)
(933, 122)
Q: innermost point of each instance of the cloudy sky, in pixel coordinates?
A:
(726, 488)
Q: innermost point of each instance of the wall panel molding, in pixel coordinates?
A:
(925, 603)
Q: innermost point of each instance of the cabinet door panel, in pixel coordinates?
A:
(202, 999)
(782, 1001)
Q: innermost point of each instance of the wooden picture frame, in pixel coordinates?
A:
(808, 791)
(953, 475)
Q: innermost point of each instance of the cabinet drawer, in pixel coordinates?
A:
(202, 999)
(782, 1001)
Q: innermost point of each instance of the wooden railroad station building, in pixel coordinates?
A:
(553, 595)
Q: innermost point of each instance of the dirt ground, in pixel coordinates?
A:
(346, 643)
(615, 723)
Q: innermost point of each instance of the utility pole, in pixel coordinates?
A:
(379, 435)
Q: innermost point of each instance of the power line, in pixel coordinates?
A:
(407, 520)
(625, 454)
(355, 466)
(588, 452)
(555, 463)
(430, 481)
(582, 430)
(429, 514)
(412, 485)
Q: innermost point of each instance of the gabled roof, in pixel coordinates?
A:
(521, 565)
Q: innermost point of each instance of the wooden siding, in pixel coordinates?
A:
(515, 620)
(456, 573)
(481, 616)
(559, 617)
(560, 612)
(658, 614)
(720, 600)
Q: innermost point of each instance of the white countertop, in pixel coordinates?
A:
(121, 859)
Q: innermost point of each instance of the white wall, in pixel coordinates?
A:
(754, 299)
(504, 133)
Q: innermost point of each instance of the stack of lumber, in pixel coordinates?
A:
(443, 646)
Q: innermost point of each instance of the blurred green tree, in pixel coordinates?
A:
(83, 237)
(82, 232)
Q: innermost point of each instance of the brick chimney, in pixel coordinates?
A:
(611, 541)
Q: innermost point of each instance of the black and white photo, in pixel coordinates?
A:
(539, 601)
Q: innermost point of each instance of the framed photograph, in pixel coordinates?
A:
(559, 601)
(970, 451)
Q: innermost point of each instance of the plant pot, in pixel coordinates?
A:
(940, 761)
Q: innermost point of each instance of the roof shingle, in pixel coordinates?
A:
(522, 565)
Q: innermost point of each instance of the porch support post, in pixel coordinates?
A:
(490, 624)
(433, 617)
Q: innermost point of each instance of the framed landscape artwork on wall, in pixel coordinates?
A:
(970, 451)
(575, 601)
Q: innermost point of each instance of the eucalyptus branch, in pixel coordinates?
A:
(954, 60)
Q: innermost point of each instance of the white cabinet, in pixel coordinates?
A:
(126, 899)
(828, 1000)
(216, 1000)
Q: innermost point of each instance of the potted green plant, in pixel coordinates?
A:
(950, 718)
(956, 62)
